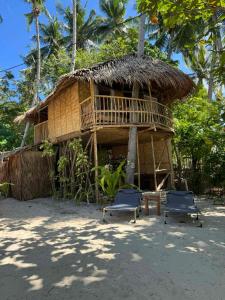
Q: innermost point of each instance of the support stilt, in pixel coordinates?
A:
(170, 159)
(153, 160)
(138, 163)
(96, 165)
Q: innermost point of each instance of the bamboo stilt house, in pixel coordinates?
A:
(97, 105)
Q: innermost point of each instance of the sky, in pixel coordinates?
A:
(15, 38)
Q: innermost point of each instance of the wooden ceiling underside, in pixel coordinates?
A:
(117, 136)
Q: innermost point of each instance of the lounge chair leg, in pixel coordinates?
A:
(103, 216)
(135, 215)
(165, 215)
(197, 217)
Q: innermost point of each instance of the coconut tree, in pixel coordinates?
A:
(33, 17)
(178, 38)
(132, 143)
(113, 22)
(51, 37)
(86, 26)
(198, 60)
(74, 35)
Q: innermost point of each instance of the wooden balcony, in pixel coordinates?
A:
(40, 132)
(122, 111)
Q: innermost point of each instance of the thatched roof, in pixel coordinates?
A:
(166, 81)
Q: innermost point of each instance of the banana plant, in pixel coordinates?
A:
(111, 181)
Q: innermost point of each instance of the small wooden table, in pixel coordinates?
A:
(151, 196)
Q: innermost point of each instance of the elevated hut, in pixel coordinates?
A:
(96, 104)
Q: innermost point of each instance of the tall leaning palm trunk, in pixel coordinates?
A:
(216, 51)
(132, 143)
(35, 15)
(74, 48)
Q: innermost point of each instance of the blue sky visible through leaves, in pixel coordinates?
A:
(15, 39)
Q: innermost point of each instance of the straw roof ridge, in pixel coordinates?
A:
(167, 81)
(132, 68)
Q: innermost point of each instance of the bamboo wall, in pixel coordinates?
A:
(4, 171)
(28, 172)
(64, 113)
(84, 90)
(145, 154)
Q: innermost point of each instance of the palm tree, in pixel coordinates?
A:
(198, 60)
(33, 16)
(132, 142)
(86, 27)
(51, 37)
(114, 23)
(74, 36)
(176, 39)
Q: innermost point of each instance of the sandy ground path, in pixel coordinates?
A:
(54, 250)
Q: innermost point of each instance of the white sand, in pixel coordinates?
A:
(52, 250)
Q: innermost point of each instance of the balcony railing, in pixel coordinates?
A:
(113, 110)
(40, 132)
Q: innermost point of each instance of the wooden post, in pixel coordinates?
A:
(170, 158)
(153, 160)
(92, 90)
(138, 163)
(96, 165)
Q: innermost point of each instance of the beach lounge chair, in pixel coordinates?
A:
(125, 200)
(180, 202)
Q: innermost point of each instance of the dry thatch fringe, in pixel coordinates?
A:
(167, 81)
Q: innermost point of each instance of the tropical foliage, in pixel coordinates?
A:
(111, 180)
(193, 31)
(200, 137)
(72, 177)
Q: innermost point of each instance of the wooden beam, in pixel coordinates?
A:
(148, 129)
(89, 141)
(161, 157)
(138, 163)
(68, 136)
(170, 158)
(162, 182)
(96, 165)
(153, 160)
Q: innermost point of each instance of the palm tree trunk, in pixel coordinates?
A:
(217, 48)
(211, 76)
(38, 78)
(132, 143)
(74, 49)
(170, 45)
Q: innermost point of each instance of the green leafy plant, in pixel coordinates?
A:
(49, 153)
(4, 189)
(111, 181)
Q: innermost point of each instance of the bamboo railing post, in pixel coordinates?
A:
(138, 163)
(96, 165)
(153, 160)
(92, 90)
(116, 110)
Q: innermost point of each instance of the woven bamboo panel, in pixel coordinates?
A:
(29, 174)
(145, 154)
(64, 113)
(4, 174)
(84, 90)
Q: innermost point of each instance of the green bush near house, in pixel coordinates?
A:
(4, 189)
